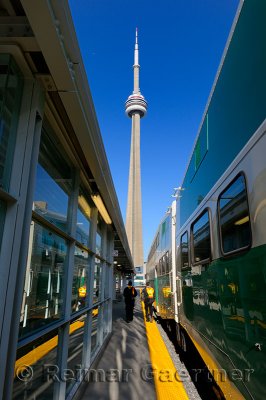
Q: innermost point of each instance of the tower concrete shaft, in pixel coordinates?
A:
(136, 107)
(134, 207)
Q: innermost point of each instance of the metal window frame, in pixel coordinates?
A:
(63, 324)
(17, 225)
(240, 249)
(188, 251)
(208, 259)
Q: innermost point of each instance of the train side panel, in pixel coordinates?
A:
(159, 268)
(224, 299)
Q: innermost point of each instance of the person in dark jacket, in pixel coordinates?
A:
(129, 294)
(147, 296)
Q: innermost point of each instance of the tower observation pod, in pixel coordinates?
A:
(136, 103)
(136, 108)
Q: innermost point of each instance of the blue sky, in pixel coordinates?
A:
(180, 43)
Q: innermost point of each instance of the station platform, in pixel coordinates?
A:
(135, 363)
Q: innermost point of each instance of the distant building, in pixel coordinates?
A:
(139, 279)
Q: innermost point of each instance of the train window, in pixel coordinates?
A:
(201, 240)
(233, 212)
(167, 267)
(184, 251)
(163, 265)
(160, 267)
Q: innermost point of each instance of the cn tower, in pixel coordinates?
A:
(136, 107)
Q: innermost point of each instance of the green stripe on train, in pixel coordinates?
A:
(226, 302)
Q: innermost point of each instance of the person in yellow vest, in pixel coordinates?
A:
(148, 298)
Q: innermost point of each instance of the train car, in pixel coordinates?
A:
(160, 267)
(221, 219)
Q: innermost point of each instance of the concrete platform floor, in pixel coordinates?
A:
(127, 353)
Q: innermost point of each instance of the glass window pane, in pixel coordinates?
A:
(184, 251)
(97, 280)
(79, 285)
(201, 238)
(94, 330)
(167, 262)
(2, 219)
(43, 287)
(234, 217)
(53, 182)
(106, 282)
(83, 219)
(99, 236)
(35, 367)
(98, 244)
(110, 242)
(105, 318)
(75, 351)
(163, 265)
(160, 267)
(11, 86)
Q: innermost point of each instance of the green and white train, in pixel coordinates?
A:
(208, 259)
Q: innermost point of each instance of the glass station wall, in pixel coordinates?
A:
(65, 311)
(11, 88)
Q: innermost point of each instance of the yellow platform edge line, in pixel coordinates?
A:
(168, 383)
(40, 351)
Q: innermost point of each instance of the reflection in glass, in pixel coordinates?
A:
(53, 183)
(167, 262)
(105, 318)
(79, 286)
(99, 236)
(184, 251)
(160, 267)
(75, 351)
(98, 244)
(201, 238)
(34, 369)
(97, 279)
(11, 86)
(234, 216)
(106, 282)
(2, 219)
(165, 234)
(83, 219)
(94, 340)
(43, 287)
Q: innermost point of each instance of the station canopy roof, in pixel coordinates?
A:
(44, 34)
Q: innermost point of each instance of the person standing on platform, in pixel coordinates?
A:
(129, 294)
(148, 298)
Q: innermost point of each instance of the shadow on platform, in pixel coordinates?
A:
(123, 372)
